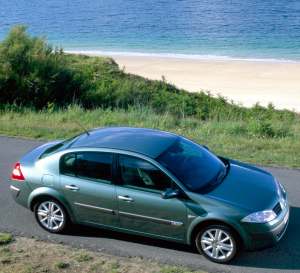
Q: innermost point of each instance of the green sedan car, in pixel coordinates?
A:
(155, 184)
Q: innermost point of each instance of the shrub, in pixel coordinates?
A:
(34, 74)
(264, 128)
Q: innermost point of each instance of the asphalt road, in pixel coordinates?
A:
(285, 257)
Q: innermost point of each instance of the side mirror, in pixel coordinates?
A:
(170, 193)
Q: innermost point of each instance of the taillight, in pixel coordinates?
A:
(17, 173)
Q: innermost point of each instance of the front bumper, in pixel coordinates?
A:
(265, 235)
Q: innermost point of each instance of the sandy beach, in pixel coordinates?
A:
(245, 82)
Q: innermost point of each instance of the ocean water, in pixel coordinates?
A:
(247, 29)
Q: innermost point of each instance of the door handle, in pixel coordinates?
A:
(72, 187)
(125, 198)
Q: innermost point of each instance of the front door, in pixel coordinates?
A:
(86, 180)
(141, 206)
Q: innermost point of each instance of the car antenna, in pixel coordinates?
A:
(82, 127)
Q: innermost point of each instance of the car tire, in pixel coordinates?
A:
(51, 215)
(217, 243)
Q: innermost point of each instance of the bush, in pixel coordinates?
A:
(35, 75)
(264, 128)
(32, 73)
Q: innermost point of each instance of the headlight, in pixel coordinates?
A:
(260, 217)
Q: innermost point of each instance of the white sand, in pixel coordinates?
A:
(246, 82)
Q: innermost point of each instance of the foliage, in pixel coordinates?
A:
(34, 74)
(61, 265)
(83, 257)
(5, 238)
(43, 91)
(276, 143)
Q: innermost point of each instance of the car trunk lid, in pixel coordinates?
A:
(30, 157)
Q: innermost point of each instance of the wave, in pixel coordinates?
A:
(175, 56)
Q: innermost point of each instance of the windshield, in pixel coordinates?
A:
(196, 167)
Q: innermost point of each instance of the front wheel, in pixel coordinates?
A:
(217, 243)
(51, 216)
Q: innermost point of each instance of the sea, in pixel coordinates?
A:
(200, 29)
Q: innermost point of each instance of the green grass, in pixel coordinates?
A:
(37, 82)
(26, 255)
(62, 265)
(267, 142)
(5, 238)
(34, 74)
(83, 257)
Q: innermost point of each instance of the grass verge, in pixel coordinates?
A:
(25, 255)
(5, 238)
(273, 143)
(46, 80)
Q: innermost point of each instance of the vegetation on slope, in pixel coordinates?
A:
(43, 91)
(34, 74)
(244, 140)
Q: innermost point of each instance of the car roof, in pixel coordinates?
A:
(148, 142)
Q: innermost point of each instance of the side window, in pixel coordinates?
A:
(90, 165)
(138, 173)
(67, 164)
(93, 165)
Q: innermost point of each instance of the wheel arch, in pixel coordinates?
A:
(45, 193)
(200, 224)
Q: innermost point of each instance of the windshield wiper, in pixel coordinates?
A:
(219, 178)
(223, 173)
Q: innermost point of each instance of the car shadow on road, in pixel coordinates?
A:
(86, 231)
(285, 255)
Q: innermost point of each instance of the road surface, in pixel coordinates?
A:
(285, 257)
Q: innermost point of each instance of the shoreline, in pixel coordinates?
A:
(180, 56)
(245, 82)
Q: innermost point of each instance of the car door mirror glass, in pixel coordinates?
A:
(170, 193)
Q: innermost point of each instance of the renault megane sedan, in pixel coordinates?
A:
(152, 183)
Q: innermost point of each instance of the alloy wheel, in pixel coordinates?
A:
(217, 243)
(51, 216)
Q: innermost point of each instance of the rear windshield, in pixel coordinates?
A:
(58, 147)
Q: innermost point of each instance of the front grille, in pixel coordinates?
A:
(277, 209)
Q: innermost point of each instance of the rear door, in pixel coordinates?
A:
(141, 206)
(86, 180)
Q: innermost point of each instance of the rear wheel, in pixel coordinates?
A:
(51, 215)
(217, 243)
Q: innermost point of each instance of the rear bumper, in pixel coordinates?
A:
(14, 191)
(261, 236)
(20, 192)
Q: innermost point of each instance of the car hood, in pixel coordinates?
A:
(248, 187)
